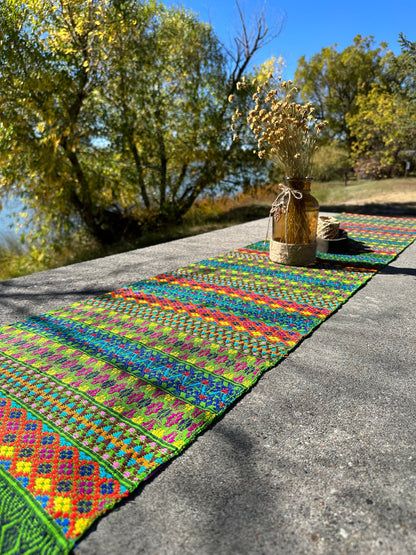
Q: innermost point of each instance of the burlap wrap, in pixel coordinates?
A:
(292, 255)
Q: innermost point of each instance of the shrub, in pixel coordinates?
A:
(328, 162)
(375, 168)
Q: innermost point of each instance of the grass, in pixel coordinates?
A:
(366, 192)
(395, 197)
(16, 259)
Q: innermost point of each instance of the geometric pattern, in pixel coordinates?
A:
(38, 534)
(69, 485)
(95, 397)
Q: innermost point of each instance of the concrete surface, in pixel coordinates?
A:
(318, 458)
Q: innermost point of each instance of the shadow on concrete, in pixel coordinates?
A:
(57, 293)
(246, 488)
(24, 301)
(230, 509)
(398, 271)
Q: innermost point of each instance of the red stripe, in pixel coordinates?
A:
(255, 329)
(245, 295)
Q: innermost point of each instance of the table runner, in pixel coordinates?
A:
(96, 396)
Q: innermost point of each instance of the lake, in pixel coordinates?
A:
(7, 219)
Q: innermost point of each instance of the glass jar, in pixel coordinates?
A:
(298, 224)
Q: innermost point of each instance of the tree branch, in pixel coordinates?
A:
(163, 165)
(139, 168)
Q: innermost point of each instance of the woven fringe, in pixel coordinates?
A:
(292, 255)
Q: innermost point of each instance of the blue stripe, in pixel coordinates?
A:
(183, 380)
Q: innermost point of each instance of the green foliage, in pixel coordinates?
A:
(383, 126)
(406, 68)
(328, 161)
(368, 97)
(16, 260)
(114, 114)
(332, 81)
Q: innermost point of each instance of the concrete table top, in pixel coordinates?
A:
(318, 458)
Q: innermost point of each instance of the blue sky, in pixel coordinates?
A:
(311, 25)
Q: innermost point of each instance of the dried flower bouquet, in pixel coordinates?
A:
(286, 132)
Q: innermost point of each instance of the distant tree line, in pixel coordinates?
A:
(368, 96)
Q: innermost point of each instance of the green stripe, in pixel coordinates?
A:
(230, 353)
(107, 357)
(17, 505)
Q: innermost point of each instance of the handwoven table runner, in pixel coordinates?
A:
(96, 396)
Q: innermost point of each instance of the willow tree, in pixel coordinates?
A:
(114, 114)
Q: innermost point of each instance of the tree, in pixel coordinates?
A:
(406, 63)
(407, 92)
(384, 122)
(332, 81)
(114, 113)
(51, 57)
(383, 127)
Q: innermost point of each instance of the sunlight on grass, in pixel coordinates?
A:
(335, 192)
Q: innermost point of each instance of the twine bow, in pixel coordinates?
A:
(281, 205)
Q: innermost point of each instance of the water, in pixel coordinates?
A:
(8, 222)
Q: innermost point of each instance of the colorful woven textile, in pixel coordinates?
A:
(96, 396)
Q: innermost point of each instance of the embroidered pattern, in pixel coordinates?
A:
(96, 396)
